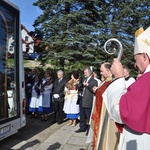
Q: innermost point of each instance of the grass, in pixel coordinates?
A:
(11, 62)
(27, 64)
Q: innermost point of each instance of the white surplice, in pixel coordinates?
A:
(129, 139)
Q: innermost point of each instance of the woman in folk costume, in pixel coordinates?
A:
(130, 107)
(71, 108)
(35, 93)
(45, 101)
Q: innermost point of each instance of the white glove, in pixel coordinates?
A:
(29, 84)
(56, 96)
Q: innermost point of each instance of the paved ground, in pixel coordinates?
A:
(39, 135)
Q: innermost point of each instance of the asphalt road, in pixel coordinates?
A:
(35, 132)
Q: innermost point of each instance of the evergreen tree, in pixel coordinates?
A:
(75, 31)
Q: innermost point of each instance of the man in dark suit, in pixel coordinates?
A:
(58, 96)
(87, 100)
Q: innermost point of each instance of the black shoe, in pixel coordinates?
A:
(45, 117)
(54, 121)
(32, 116)
(60, 121)
(36, 117)
(80, 130)
(42, 118)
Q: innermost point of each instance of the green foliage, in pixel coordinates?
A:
(74, 31)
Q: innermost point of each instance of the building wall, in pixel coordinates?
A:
(28, 42)
(10, 44)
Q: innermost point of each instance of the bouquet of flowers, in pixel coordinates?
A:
(72, 85)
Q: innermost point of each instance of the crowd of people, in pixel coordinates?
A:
(113, 111)
(62, 96)
(39, 94)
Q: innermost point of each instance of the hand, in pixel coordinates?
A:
(85, 84)
(29, 84)
(56, 96)
(77, 81)
(95, 89)
(117, 68)
(68, 92)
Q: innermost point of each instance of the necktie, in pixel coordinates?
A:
(84, 87)
(59, 80)
(85, 80)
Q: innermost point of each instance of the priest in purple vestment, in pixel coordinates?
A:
(130, 106)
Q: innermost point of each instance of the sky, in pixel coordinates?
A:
(28, 12)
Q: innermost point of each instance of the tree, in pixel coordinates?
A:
(75, 31)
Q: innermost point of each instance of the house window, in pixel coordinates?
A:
(26, 38)
(11, 48)
(27, 48)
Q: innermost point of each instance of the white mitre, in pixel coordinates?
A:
(142, 41)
